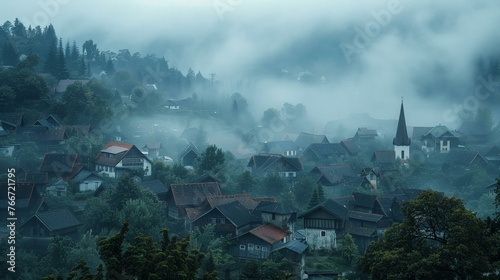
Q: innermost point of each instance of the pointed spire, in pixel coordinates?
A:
(401, 138)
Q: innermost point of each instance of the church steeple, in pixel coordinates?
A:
(401, 138)
(401, 142)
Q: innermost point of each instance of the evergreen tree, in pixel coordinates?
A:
(9, 55)
(314, 199)
(321, 194)
(61, 70)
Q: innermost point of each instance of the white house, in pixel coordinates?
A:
(117, 158)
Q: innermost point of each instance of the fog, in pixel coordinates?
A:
(362, 57)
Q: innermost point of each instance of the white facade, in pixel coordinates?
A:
(321, 238)
(402, 152)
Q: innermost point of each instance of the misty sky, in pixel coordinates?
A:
(422, 50)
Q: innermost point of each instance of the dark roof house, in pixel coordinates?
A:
(268, 163)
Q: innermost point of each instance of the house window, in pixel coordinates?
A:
(257, 247)
(273, 216)
(264, 249)
(403, 154)
(322, 233)
(250, 246)
(242, 247)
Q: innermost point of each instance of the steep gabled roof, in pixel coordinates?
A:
(236, 213)
(364, 200)
(305, 139)
(60, 163)
(114, 152)
(57, 219)
(331, 207)
(419, 131)
(364, 232)
(153, 145)
(279, 146)
(269, 233)
(350, 146)
(193, 194)
(14, 119)
(244, 199)
(334, 174)
(24, 195)
(294, 245)
(364, 132)
(466, 157)
(364, 216)
(325, 150)
(440, 131)
(384, 157)
(262, 162)
(190, 148)
(276, 208)
(156, 186)
(401, 138)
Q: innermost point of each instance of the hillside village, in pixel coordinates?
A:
(305, 193)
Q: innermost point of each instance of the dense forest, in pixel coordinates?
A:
(451, 231)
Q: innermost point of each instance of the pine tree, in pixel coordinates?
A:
(314, 199)
(321, 194)
(9, 55)
(61, 68)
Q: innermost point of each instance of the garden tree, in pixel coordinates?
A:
(321, 194)
(239, 106)
(98, 215)
(57, 260)
(25, 155)
(205, 240)
(170, 174)
(303, 189)
(278, 267)
(83, 105)
(145, 215)
(245, 182)
(211, 161)
(87, 147)
(7, 98)
(210, 272)
(9, 55)
(314, 199)
(90, 50)
(30, 62)
(271, 118)
(438, 239)
(110, 67)
(273, 184)
(86, 250)
(144, 259)
(126, 189)
(348, 249)
(62, 71)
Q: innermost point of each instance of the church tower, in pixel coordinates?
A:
(401, 142)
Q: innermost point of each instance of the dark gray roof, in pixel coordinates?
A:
(350, 146)
(364, 200)
(419, 131)
(305, 139)
(262, 162)
(279, 146)
(58, 219)
(155, 186)
(384, 157)
(440, 131)
(401, 138)
(365, 232)
(236, 213)
(277, 208)
(466, 157)
(334, 174)
(294, 245)
(325, 150)
(330, 206)
(364, 216)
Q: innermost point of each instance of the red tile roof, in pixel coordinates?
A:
(193, 194)
(269, 233)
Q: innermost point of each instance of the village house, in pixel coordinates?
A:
(305, 139)
(284, 147)
(60, 222)
(350, 146)
(156, 187)
(325, 153)
(263, 164)
(364, 134)
(439, 139)
(28, 201)
(86, 180)
(117, 158)
(189, 156)
(61, 166)
(324, 224)
(184, 198)
(152, 149)
(259, 242)
(334, 175)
